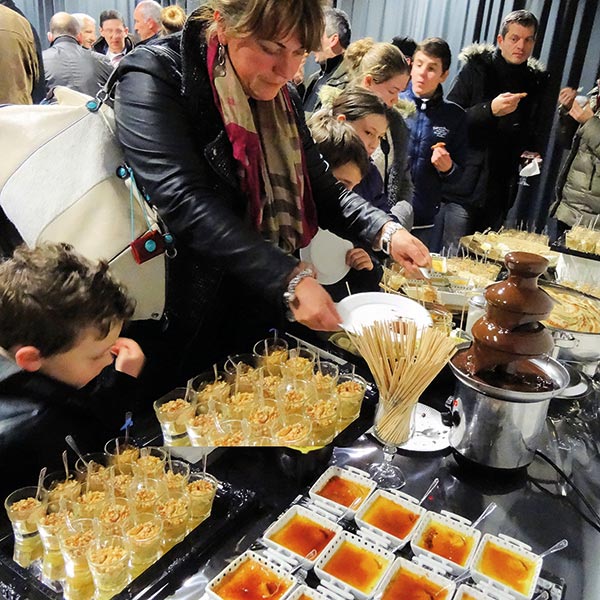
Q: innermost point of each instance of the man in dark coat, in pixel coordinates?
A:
(114, 40)
(502, 91)
(67, 63)
(334, 42)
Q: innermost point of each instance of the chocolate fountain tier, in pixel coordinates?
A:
(511, 328)
(518, 299)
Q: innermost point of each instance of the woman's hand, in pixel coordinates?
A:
(409, 252)
(359, 259)
(130, 358)
(314, 307)
(582, 114)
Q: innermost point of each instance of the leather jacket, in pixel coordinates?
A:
(174, 140)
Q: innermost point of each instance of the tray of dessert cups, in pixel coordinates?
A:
(351, 556)
(276, 395)
(341, 491)
(150, 515)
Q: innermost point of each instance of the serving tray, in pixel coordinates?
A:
(230, 508)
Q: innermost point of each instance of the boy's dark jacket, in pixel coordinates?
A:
(37, 412)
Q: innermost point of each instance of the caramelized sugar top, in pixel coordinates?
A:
(303, 536)
(406, 585)
(356, 566)
(344, 491)
(251, 581)
(514, 570)
(447, 542)
(391, 517)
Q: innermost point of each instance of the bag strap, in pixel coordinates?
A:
(104, 93)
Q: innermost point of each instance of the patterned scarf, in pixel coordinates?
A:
(267, 146)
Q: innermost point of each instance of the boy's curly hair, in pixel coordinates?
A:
(50, 294)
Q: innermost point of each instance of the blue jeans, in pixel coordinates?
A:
(451, 223)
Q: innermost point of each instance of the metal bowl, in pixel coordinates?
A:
(551, 367)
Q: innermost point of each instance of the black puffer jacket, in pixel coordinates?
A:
(495, 143)
(37, 412)
(175, 141)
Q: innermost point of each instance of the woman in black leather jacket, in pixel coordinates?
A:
(233, 265)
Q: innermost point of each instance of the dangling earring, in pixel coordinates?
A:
(220, 70)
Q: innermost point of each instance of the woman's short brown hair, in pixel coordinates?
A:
(50, 294)
(269, 19)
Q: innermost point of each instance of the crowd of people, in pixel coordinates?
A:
(244, 159)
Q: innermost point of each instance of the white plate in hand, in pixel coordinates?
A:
(360, 310)
(327, 252)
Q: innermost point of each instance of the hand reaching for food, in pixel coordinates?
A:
(359, 259)
(314, 307)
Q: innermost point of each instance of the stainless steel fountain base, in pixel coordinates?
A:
(500, 428)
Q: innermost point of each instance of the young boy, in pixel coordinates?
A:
(60, 319)
(438, 134)
(347, 157)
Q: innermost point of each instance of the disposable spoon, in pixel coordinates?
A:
(430, 489)
(40, 482)
(561, 545)
(456, 581)
(491, 507)
(71, 442)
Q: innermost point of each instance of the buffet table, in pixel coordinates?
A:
(261, 483)
(525, 512)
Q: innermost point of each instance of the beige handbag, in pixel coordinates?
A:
(63, 178)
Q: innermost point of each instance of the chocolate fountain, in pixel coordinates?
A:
(506, 378)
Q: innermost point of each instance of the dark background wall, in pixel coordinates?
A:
(568, 44)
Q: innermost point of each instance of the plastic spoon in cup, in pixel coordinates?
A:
(40, 482)
(491, 507)
(430, 489)
(71, 443)
(65, 461)
(561, 545)
(542, 596)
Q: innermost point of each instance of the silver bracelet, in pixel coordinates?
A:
(290, 293)
(386, 237)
